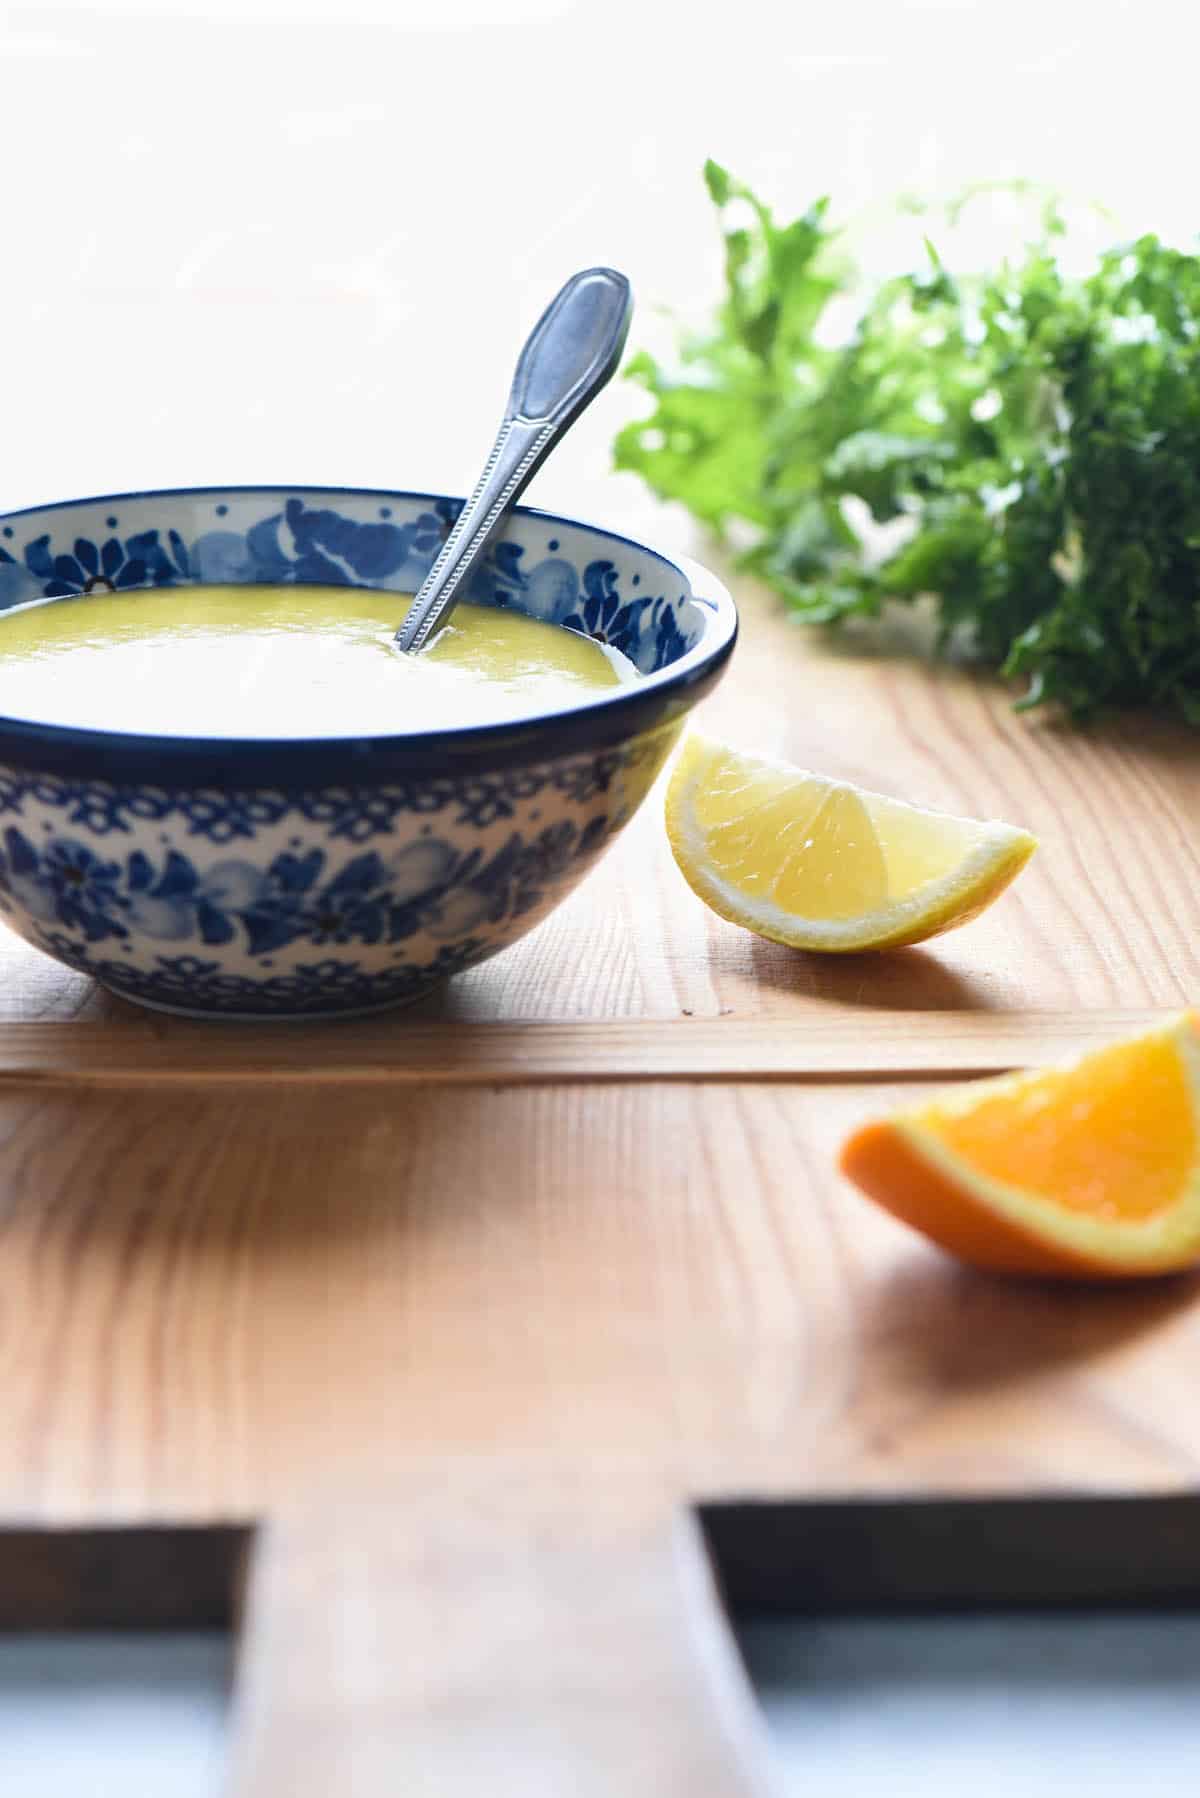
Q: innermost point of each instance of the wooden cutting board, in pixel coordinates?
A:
(468, 1308)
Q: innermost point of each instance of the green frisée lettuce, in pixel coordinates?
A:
(1031, 435)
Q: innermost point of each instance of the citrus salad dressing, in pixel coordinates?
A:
(284, 661)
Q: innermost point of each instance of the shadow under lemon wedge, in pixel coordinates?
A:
(819, 864)
(1090, 1170)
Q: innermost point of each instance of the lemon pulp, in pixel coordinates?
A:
(284, 661)
(820, 864)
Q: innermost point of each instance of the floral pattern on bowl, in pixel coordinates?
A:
(409, 881)
(283, 878)
(300, 541)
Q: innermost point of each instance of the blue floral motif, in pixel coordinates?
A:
(237, 898)
(327, 547)
(300, 541)
(432, 528)
(18, 584)
(317, 544)
(83, 885)
(583, 780)
(359, 813)
(485, 799)
(549, 590)
(222, 815)
(630, 625)
(141, 561)
(178, 903)
(669, 641)
(353, 814)
(92, 804)
(66, 881)
(427, 886)
(419, 882)
(353, 906)
(502, 573)
(192, 983)
(600, 613)
(515, 879)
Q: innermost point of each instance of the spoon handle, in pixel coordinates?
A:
(570, 354)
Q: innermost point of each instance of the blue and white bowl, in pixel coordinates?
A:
(276, 877)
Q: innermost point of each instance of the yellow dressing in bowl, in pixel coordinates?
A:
(284, 661)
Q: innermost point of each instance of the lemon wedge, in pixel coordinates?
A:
(820, 864)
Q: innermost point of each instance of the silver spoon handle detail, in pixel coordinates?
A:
(571, 353)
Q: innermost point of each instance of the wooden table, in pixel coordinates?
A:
(469, 1306)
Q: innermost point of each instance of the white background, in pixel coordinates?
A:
(289, 240)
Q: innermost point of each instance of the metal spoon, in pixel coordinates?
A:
(570, 354)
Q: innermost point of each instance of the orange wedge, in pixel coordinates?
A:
(1088, 1171)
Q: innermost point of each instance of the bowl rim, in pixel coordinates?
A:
(606, 720)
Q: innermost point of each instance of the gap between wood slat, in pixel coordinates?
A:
(817, 1047)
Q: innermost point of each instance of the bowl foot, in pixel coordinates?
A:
(229, 1016)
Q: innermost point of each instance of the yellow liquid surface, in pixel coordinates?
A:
(284, 661)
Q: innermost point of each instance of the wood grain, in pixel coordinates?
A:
(479, 1645)
(219, 1304)
(1105, 917)
(288, 1298)
(574, 1227)
(899, 1045)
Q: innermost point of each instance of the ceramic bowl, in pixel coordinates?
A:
(296, 877)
